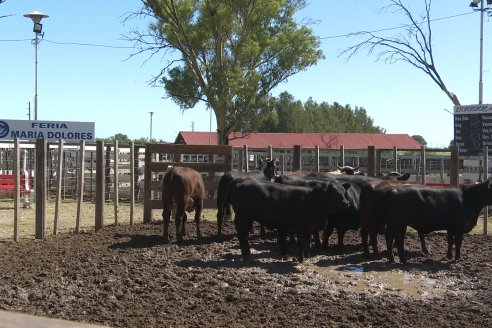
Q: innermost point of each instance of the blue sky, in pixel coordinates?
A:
(100, 84)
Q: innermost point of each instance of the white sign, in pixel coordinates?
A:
(473, 109)
(54, 130)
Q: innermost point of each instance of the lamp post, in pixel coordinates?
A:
(36, 17)
(483, 10)
(151, 113)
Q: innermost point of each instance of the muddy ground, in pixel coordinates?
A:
(126, 277)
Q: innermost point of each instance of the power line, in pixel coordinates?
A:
(88, 44)
(321, 38)
(393, 28)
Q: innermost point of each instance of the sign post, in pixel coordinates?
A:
(51, 130)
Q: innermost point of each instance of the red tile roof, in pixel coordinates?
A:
(305, 140)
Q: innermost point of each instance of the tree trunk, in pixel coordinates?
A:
(222, 131)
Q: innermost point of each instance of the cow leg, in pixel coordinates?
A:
(364, 233)
(316, 240)
(228, 212)
(243, 228)
(400, 239)
(458, 239)
(327, 232)
(282, 240)
(422, 243)
(220, 218)
(198, 216)
(373, 240)
(341, 235)
(303, 245)
(166, 218)
(450, 236)
(390, 237)
(180, 220)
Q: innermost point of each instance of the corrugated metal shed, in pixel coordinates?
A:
(305, 140)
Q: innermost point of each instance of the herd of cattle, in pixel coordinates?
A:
(301, 206)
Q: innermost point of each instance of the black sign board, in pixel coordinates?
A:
(473, 128)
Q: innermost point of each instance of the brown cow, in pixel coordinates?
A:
(183, 187)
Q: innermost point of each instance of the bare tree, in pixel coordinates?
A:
(414, 47)
(3, 16)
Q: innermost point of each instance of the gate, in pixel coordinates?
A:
(210, 161)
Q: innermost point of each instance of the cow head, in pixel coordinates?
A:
(268, 167)
(331, 197)
(349, 170)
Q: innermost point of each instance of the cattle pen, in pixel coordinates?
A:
(113, 177)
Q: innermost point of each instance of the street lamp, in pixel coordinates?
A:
(36, 17)
(488, 10)
(151, 113)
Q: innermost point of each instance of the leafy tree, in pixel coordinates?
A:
(420, 140)
(229, 54)
(141, 141)
(285, 114)
(414, 47)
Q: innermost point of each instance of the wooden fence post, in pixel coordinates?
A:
(80, 191)
(17, 187)
(442, 170)
(107, 175)
(270, 152)
(100, 185)
(371, 161)
(246, 158)
(341, 159)
(132, 181)
(454, 178)
(296, 158)
(395, 159)
(379, 156)
(59, 181)
(422, 163)
(147, 215)
(316, 158)
(115, 180)
(41, 147)
(485, 178)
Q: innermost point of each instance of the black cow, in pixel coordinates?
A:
(285, 208)
(372, 206)
(395, 176)
(344, 219)
(266, 171)
(428, 209)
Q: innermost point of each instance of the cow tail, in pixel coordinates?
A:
(223, 198)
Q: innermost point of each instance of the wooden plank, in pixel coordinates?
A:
(17, 189)
(189, 149)
(200, 167)
(147, 215)
(41, 151)
(115, 181)
(100, 181)
(59, 174)
(80, 191)
(211, 203)
(132, 182)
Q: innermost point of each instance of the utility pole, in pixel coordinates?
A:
(151, 113)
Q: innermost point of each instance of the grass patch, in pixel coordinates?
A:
(68, 217)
